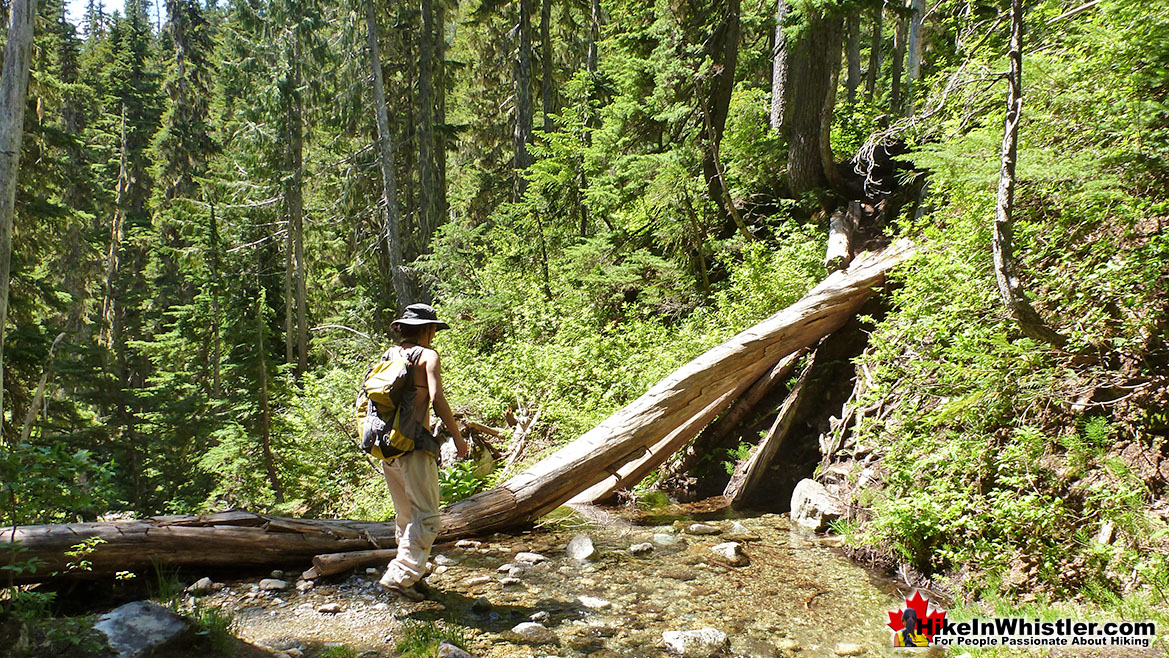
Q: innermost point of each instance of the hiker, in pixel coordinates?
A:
(413, 477)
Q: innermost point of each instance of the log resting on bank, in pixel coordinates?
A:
(243, 539)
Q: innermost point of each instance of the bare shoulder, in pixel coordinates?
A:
(429, 358)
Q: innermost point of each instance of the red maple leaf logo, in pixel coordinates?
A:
(930, 618)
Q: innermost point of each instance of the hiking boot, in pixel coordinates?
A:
(409, 592)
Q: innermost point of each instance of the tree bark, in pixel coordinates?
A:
(914, 50)
(13, 95)
(547, 83)
(594, 35)
(296, 217)
(724, 54)
(265, 409)
(840, 228)
(853, 49)
(898, 64)
(779, 72)
(386, 160)
(523, 98)
(1006, 268)
(240, 538)
(874, 54)
(429, 205)
(812, 79)
(31, 416)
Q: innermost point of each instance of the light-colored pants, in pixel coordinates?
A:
(413, 482)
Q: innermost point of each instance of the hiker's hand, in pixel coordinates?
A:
(461, 447)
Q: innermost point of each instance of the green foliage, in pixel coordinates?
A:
(217, 625)
(420, 639)
(736, 454)
(459, 481)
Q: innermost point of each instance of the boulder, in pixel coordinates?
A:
(448, 650)
(813, 506)
(201, 587)
(273, 585)
(732, 553)
(530, 632)
(581, 548)
(701, 643)
(140, 628)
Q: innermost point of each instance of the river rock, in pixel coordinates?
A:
(476, 580)
(505, 567)
(448, 650)
(540, 616)
(702, 529)
(273, 585)
(787, 647)
(740, 532)
(813, 506)
(530, 632)
(277, 574)
(517, 572)
(848, 649)
(509, 581)
(666, 539)
(330, 608)
(642, 548)
(201, 587)
(732, 553)
(139, 628)
(581, 548)
(303, 586)
(481, 605)
(530, 558)
(701, 643)
(594, 602)
(468, 543)
(445, 560)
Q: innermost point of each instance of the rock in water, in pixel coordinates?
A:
(701, 643)
(581, 548)
(813, 506)
(740, 532)
(330, 608)
(732, 552)
(530, 558)
(848, 649)
(481, 605)
(201, 587)
(702, 529)
(139, 628)
(273, 585)
(594, 602)
(641, 549)
(448, 650)
(532, 633)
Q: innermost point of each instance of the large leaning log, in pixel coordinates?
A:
(240, 539)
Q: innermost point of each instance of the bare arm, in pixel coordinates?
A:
(438, 401)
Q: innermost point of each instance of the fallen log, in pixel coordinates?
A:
(719, 431)
(841, 225)
(238, 539)
(749, 472)
(330, 563)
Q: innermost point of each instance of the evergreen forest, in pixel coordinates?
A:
(219, 206)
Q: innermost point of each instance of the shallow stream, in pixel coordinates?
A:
(795, 596)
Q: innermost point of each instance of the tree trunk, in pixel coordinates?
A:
(13, 95)
(874, 54)
(38, 397)
(831, 175)
(724, 54)
(547, 83)
(594, 35)
(854, 55)
(265, 409)
(898, 64)
(812, 79)
(1006, 268)
(779, 72)
(840, 227)
(216, 319)
(914, 49)
(429, 205)
(240, 538)
(386, 160)
(523, 98)
(296, 225)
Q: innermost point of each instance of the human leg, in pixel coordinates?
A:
(420, 479)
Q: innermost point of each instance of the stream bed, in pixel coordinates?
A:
(786, 593)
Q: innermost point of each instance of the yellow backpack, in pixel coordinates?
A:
(379, 404)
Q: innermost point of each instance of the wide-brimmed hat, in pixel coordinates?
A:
(421, 314)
